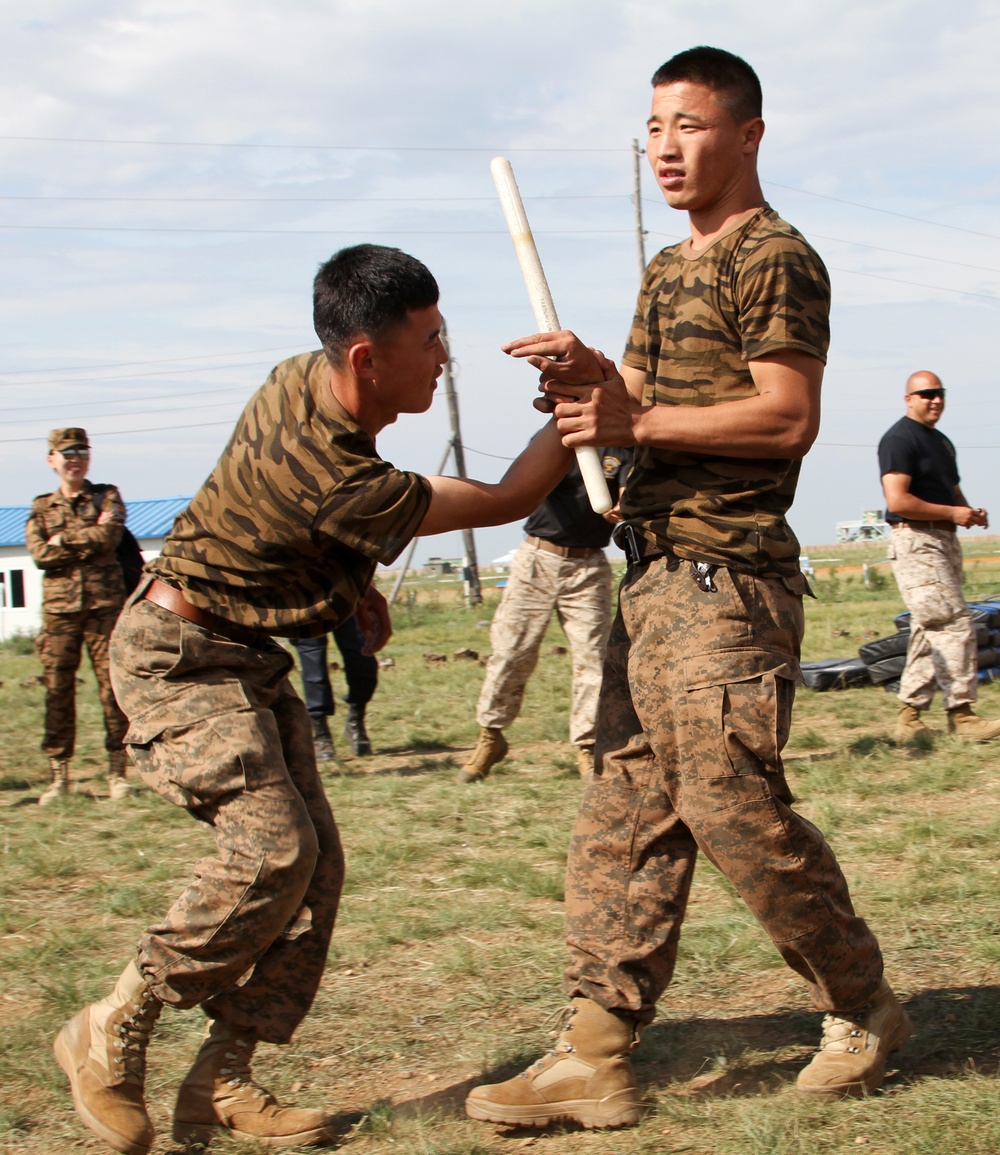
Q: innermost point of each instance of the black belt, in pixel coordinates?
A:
(638, 549)
(641, 551)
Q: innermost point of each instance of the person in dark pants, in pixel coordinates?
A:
(361, 672)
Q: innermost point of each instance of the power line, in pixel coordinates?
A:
(131, 376)
(304, 232)
(157, 361)
(145, 413)
(299, 147)
(313, 200)
(124, 432)
(916, 284)
(62, 405)
(869, 208)
(886, 212)
(900, 253)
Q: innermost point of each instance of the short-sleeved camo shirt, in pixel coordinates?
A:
(701, 317)
(286, 532)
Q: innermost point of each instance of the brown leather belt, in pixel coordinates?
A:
(562, 550)
(946, 525)
(167, 597)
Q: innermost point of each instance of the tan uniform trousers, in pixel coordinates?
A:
(59, 647)
(216, 727)
(578, 591)
(695, 710)
(927, 565)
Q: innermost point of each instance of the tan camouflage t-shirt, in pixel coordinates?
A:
(286, 532)
(700, 319)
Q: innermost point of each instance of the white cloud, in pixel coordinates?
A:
(890, 105)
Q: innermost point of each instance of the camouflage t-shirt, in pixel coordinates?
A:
(82, 572)
(286, 532)
(701, 317)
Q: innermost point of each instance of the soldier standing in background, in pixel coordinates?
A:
(560, 568)
(72, 535)
(361, 672)
(924, 505)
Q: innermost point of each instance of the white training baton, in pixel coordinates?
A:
(543, 308)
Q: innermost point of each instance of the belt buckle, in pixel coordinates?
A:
(630, 544)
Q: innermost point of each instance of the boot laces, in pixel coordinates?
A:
(133, 1033)
(843, 1034)
(238, 1074)
(564, 1024)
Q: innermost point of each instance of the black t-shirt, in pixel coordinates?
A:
(566, 517)
(926, 456)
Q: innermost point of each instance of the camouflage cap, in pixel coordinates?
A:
(73, 438)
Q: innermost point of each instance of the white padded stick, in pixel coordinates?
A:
(543, 308)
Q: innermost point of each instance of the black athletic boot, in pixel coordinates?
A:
(355, 732)
(322, 741)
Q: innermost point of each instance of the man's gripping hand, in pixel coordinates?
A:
(595, 414)
(374, 621)
(561, 355)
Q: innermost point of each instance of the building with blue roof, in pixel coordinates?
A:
(21, 580)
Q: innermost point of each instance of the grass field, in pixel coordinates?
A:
(445, 965)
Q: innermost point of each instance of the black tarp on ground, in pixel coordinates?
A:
(835, 674)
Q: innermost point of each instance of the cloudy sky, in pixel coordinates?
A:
(174, 171)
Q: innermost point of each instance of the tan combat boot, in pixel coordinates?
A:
(586, 1079)
(964, 724)
(219, 1091)
(851, 1057)
(490, 749)
(585, 762)
(103, 1052)
(908, 727)
(59, 786)
(118, 787)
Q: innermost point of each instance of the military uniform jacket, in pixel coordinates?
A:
(82, 572)
(701, 318)
(287, 531)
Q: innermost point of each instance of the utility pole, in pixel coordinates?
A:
(473, 592)
(470, 566)
(640, 234)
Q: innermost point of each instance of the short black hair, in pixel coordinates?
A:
(366, 290)
(728, 76)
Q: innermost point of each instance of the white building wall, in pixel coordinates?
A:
(29, 619)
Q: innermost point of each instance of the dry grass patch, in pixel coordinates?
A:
(445, 966)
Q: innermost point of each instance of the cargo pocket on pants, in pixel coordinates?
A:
(736, 712)
(183, 747)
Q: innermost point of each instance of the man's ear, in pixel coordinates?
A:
(753, 130)
(359, 360)
(51, 460)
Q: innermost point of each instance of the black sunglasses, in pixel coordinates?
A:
(928, 394)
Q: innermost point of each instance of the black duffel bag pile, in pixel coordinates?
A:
(885, 658)
(881, 662)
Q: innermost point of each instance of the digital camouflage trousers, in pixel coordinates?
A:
(216, 727)
(59, 647)
(578, 591)
(695, 710)
(927, 565)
